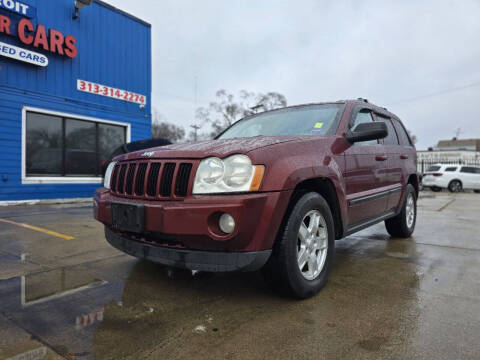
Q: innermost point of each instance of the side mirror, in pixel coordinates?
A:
(367, 131)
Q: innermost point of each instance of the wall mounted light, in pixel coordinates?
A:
(80, 4)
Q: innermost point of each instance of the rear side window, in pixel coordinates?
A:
(470, 170)
(451, 169)
(433, 168)
(402, 134)
(391, 138)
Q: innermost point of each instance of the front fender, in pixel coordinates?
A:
(288, 172)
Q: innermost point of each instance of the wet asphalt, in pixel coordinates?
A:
(79, 298)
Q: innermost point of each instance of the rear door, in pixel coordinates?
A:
(365, 174)
(470, 177)
(394, 163)
(407, 155)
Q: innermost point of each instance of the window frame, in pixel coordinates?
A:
(477, 172)
(379, 118)
(62, 179)
(352, 119)
(397, 124)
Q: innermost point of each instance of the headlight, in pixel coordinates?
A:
(233, 174)
(108, 175)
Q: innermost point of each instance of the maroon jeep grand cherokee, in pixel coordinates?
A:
(274, 191)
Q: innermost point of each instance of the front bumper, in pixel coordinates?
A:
(190, 259)
(192, 224)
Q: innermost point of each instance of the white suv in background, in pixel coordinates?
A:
(455, 178)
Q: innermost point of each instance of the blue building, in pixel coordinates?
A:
(75, 83)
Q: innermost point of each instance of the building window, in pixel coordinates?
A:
(58, 146)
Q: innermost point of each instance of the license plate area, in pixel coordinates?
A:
(128, 217)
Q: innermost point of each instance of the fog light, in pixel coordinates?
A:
(227, 223)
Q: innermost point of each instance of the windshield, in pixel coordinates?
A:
(319, 119)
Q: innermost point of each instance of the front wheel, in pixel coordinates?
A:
(403, 224)
(303, 253)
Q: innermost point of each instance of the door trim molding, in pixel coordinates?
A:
(374, 196)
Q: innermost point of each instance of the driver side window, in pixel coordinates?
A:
(363, 116)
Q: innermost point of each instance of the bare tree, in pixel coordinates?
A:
(162, 129)
(228, 109)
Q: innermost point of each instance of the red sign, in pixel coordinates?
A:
(51, 40)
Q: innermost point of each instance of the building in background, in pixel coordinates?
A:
(455, 151)
(72, 89)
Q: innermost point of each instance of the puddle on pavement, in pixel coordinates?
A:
(115, 310)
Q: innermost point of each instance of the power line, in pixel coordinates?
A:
(441, 92)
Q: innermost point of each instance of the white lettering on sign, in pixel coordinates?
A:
(15, 6)
(24, 55)
(103, 90)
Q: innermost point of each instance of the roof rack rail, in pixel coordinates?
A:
(362, 99)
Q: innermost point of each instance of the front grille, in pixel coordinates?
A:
(151, 180)
(167, 179)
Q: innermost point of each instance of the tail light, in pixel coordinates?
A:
(437, 174)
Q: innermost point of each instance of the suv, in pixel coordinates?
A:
(454, 177)
(272, 192)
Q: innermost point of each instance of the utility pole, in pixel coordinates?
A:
(195, 129)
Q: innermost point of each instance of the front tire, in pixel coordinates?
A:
(403, 224)
(303, 252)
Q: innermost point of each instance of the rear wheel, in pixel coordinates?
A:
(403, 224)
(476, 191)
(303, 253)
(455, 186)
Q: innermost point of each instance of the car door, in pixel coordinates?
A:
(365, 174)
(476, 178)
(467, 176)
(394, 163)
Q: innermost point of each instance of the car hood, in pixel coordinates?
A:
(202, 149)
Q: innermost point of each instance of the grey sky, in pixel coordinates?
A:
(385, 51)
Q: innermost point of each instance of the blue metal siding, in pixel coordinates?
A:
(114, 49)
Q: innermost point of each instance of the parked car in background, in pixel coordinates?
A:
(273, 191)
(455, 178)
(134, 146)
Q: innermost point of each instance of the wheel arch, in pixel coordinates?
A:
(324, 187)
(455, 179)
(413, 180)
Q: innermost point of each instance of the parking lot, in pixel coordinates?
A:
(65, 293)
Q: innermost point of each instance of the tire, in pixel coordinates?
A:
(403, 224)
(476, 191)
(282, 270)
(435, 189)
(455, 186)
